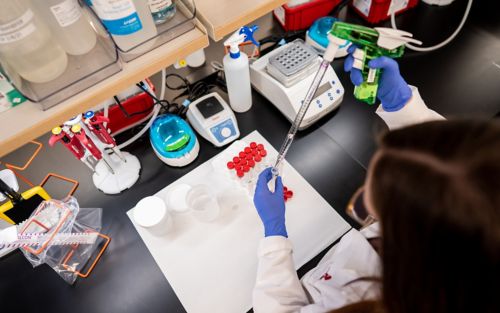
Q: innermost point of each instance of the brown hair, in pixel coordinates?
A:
(436, 190)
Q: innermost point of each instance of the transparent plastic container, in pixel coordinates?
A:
(66, 21)
(203, 203)
(131, 46)
(26, 44)
(81, 71)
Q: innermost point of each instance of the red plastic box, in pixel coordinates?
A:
(375, 11)
(302, 16)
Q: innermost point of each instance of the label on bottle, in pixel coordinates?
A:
(119, 16)
(159, 5)
(397, 5)
(18, 29)
(279, 12)
(66, 12)
(363, 6)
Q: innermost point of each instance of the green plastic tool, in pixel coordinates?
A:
(374, 43)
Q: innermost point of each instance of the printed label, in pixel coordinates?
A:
(18, 35)
(16, 24)
(279, 12)
(363, 6)
(119, 16)
(159, 5)
(66, 12)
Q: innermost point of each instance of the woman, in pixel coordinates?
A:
(434, 187)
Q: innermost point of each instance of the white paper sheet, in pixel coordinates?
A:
(212, 267)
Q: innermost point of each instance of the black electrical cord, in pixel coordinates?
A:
(190, 91)
(126, 113)
(169, 107)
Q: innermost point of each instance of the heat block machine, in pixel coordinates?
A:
(284, 75)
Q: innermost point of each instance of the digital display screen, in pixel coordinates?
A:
(209, 107)
(322, 89)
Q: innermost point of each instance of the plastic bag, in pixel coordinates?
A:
(54, 217)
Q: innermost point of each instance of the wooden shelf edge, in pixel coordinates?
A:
(218, 32)
(132, 72)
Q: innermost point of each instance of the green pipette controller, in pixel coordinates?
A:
(372, 43)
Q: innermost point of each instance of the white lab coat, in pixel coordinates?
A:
(278, 288)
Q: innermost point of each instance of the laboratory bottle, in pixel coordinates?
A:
(26, 44)
(129, 22)
(162, 10)
(70, 27)
(237, 73)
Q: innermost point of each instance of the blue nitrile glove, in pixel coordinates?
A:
(270, 205)
(393, 91)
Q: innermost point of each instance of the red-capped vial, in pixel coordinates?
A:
(285, 188)
(230, 165)
(236, 160)
(240, 174)
(289, 193)
(255, 152)
(243, 162)
(251, 163)
(263, 153)
(248, 150)
(249, 157)
(242, 155)
(260, 146)
(253, 145)
(246, 168)
(257, 158)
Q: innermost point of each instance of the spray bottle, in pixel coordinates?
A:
(237, 71)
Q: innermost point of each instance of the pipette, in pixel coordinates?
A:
(332, 48)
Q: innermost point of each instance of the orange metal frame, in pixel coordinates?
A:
(98, 257)
(56, 230)
(16, 168)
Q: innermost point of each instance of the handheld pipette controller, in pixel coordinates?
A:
(372, 44)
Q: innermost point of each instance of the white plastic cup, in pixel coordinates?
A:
(203, 203)
(176, 198)
(151, 214)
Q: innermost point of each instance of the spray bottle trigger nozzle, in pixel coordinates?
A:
(248, 32)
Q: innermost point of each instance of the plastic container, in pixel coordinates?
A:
(66, 21)
(26, 44)
(302, 16)
(377, 11)
(203, 203)
(162, 10)
(151, 213)
(133, 42)
(237, 72)
(176, 198)
(129, 22)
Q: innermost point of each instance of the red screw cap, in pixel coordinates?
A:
(230, 165)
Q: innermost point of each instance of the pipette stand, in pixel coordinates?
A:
(121, 176)
(117, 170)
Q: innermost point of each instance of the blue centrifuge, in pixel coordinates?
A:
(173, 140)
